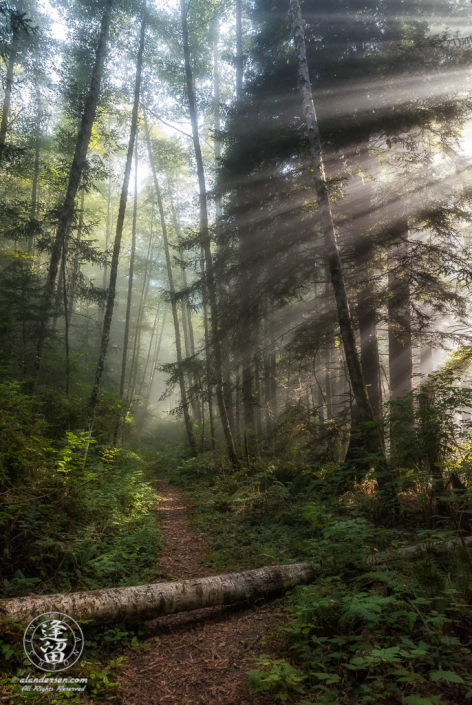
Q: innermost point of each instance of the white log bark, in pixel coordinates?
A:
(150, 601)
(157, 599)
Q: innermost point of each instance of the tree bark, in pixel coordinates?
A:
(205, 237)
(139, 322)
(150, 349)
(400, 360)
(187, 325)
(8, 85)
(370, 360)
(156, 358)
(130, 275)
(67, 211)
(178, 345)
(239, 50)
(373, 442)
(119, 233)
(34, 190)
(157, 599)
(108, 228)
(326, 219)
(76, 264)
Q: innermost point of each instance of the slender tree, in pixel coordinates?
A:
(178, 346)
(205, 238)
(67, 210)
(130, 277)
(8, 86)
(92, 406)
(365, 413)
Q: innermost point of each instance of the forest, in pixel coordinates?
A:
(236, 351)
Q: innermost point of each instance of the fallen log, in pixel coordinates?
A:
(156, 599)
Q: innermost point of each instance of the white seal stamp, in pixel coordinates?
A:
(53, 642)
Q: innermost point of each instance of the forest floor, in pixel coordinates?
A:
(203, 656)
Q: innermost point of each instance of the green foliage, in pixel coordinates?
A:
(428, 432)
(105, 650)
(370, 630)
(65, 524)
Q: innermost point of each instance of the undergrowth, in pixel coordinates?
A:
(69, 521)
(377, 626)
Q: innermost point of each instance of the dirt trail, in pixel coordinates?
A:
(202, 657)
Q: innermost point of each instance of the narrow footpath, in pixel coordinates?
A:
(202, 657)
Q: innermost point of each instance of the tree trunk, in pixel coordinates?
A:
(247, 391)
(150, 349)
(157, 599)
(76, 264)
(67, 212)
(370, 360)
(178, 346)
(206, 336)
(108, 227)
(187, 325)
(257, 396)
(373, 442)
(130, 276)
(205, 238)
(238, 408)
(66, 317)
(156, 358)
(139, 322)
(216, 107)
(239, 50)
(400, 358)
(359, 207)
(325, 217)
(8, 85)
(119, 233)
(34, 190)
(267, 390)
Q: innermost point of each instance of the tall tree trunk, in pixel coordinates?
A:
(238, 408)
(209, 376)
(370, 360)
(119, 233)
(150, 347)
(267, 390)
(66, 317)
(156, 357)
(130, 276)
(67, 211)
(8, 86)
(34, 190)
(108, 229)
(216, 108)
(178, 346)
(205, 237)
(400, 357)
(239, 50)
(326, 219)
(187, 325)
(141, 309)
(373, 441)
(247, 393)
(257, 396)
(76, 265)
(360, 209)
(273, 368)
